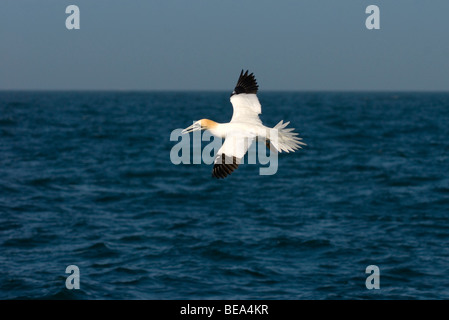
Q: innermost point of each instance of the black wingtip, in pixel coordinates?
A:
(246, 84)
(224, 166)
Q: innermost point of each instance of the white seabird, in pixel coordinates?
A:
(244, 127)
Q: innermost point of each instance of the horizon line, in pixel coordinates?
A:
(220, 91)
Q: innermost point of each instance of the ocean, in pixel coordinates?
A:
(86, 180)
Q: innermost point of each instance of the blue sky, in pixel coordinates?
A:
(203, 45)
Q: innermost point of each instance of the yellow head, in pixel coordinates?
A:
(203, 124)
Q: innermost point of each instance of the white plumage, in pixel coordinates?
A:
(246, 108)
(245, 127)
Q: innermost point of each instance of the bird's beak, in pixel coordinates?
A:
(192, 128)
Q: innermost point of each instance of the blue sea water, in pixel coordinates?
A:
(86, 180)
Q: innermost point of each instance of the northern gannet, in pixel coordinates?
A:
(244, 127)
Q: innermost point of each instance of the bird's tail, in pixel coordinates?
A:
(286, 140)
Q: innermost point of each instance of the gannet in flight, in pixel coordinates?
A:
(244, 127)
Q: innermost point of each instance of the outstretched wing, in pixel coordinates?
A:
(230, 155)
(244, 100)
